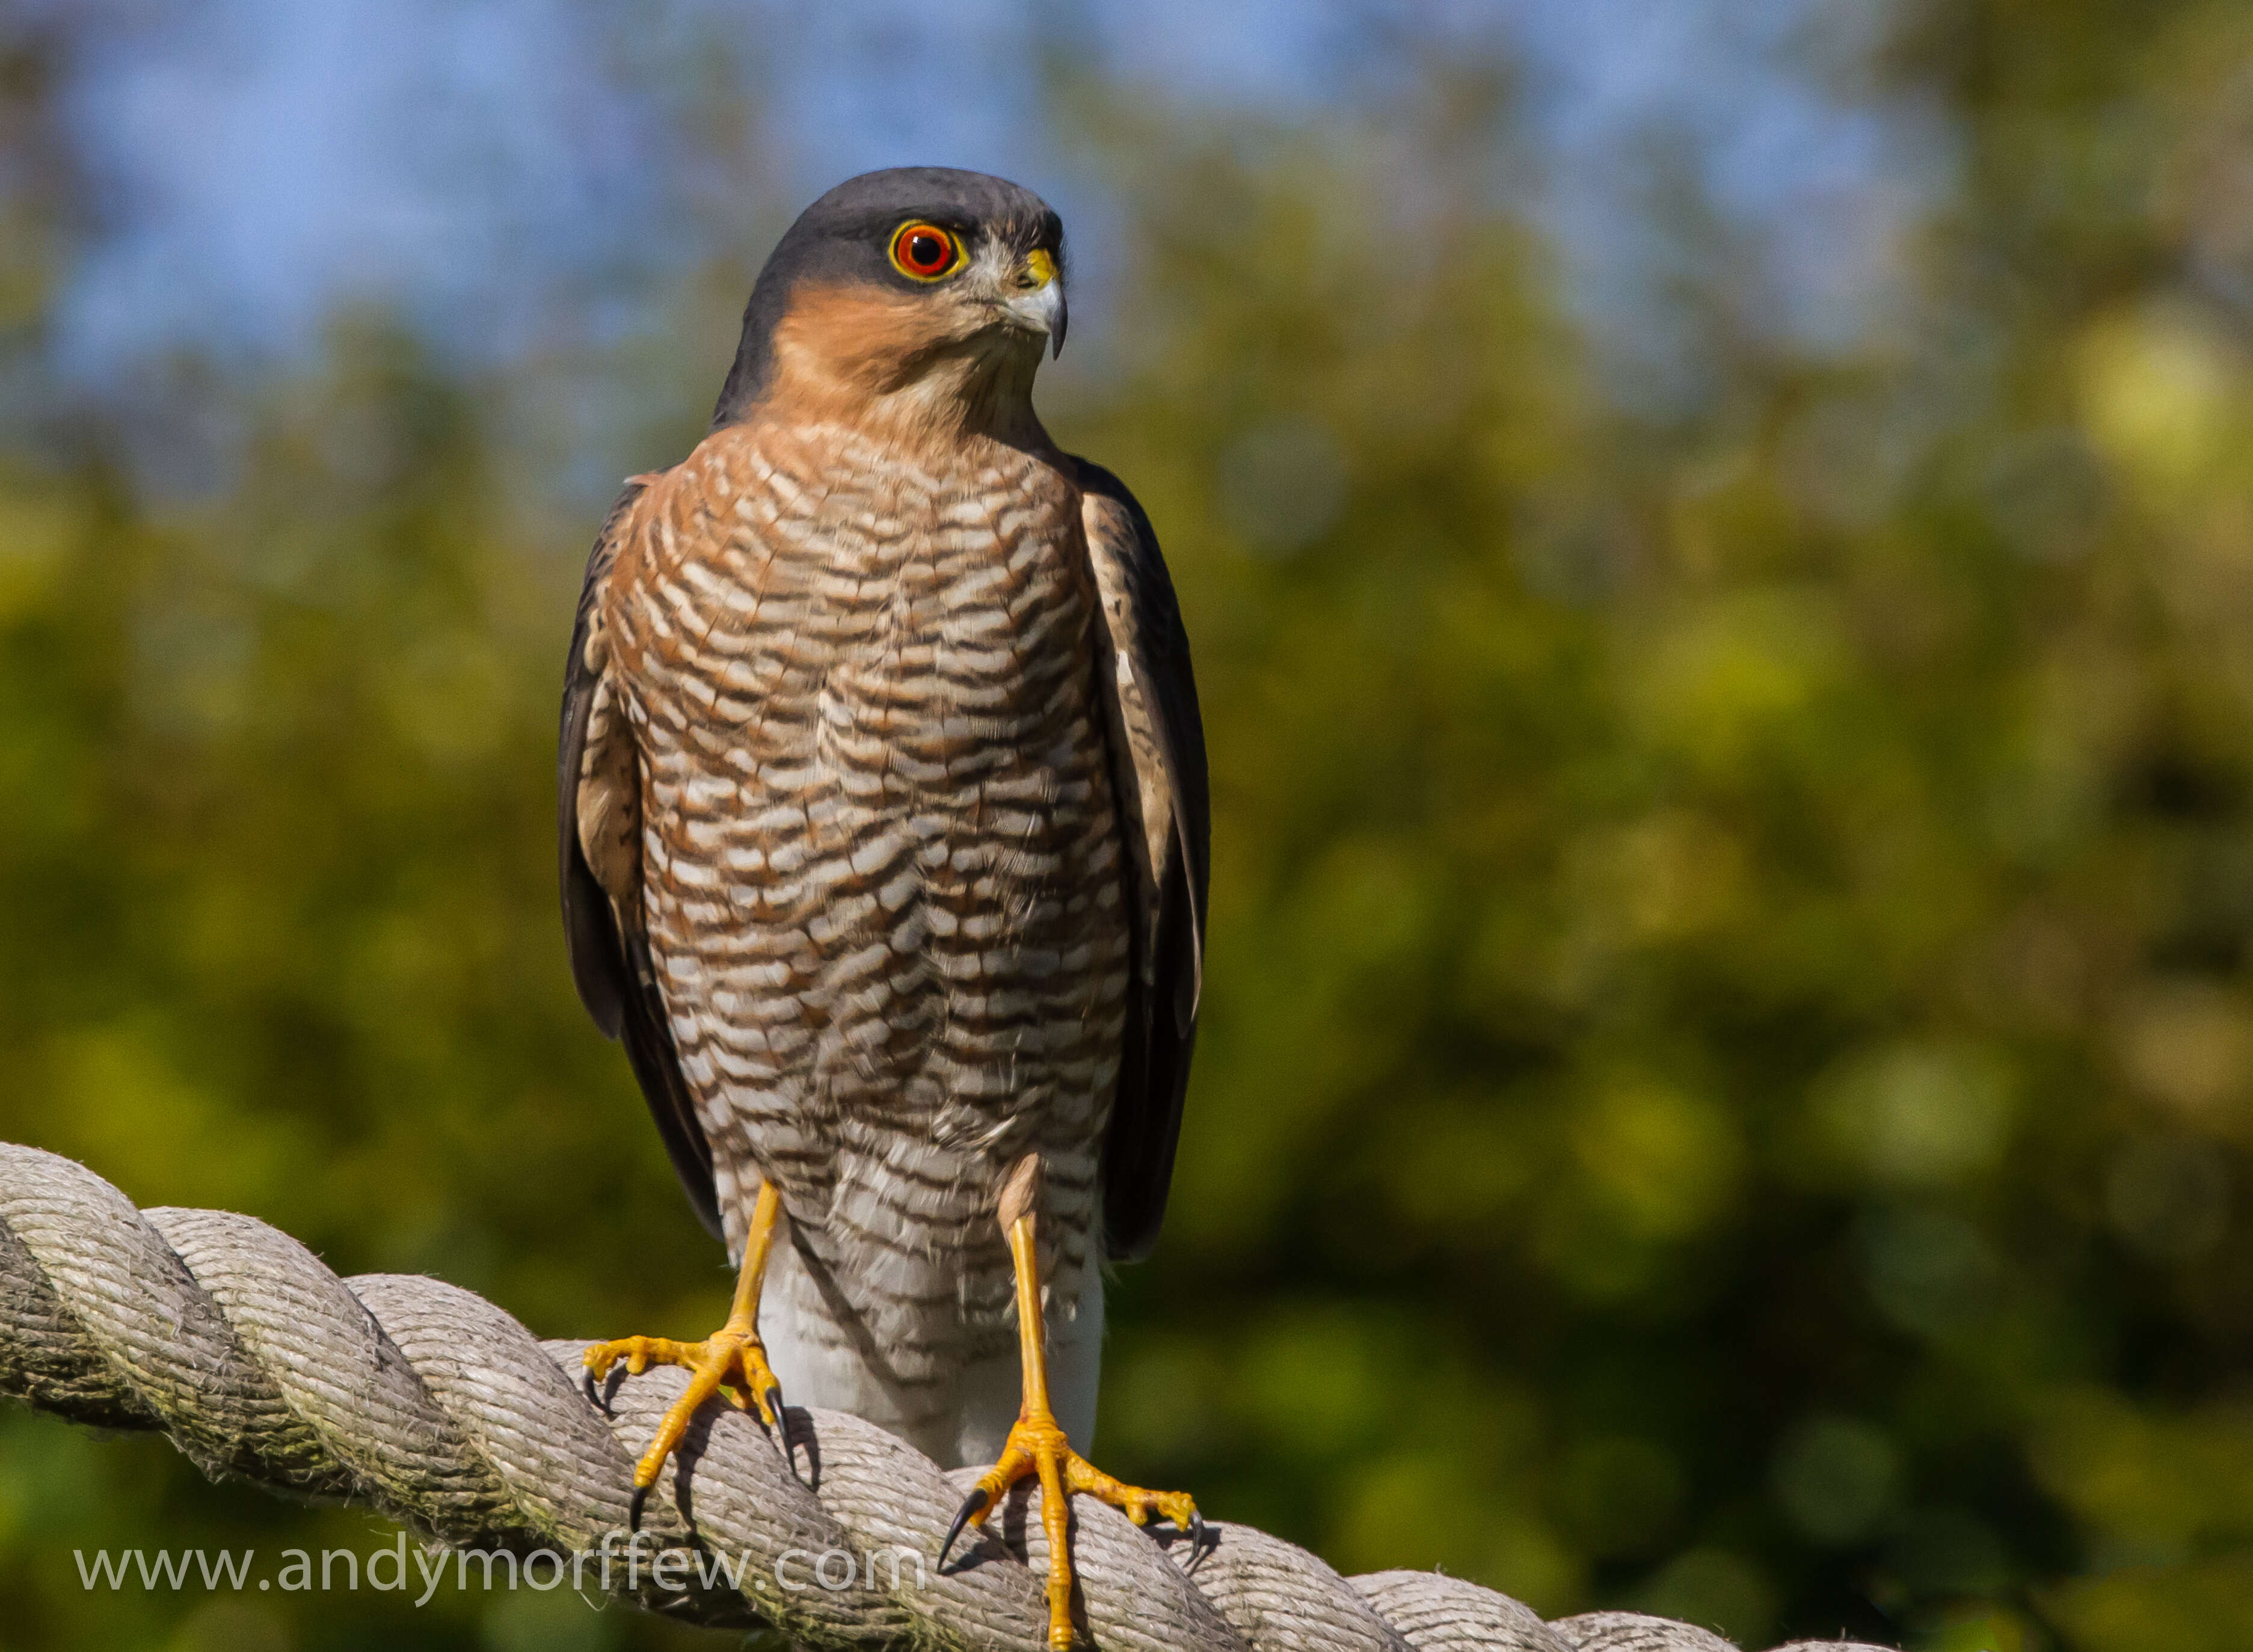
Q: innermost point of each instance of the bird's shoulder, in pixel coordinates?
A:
(687, 511)
(1139, 608)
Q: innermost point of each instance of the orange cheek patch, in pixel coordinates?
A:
(859, 336)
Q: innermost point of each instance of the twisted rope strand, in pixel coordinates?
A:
(433, 1406)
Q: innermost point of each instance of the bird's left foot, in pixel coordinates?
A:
(1037, 1447)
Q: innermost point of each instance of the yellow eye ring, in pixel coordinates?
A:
(923, 251)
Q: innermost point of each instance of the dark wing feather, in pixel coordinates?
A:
(1158, 760)
(610, 951)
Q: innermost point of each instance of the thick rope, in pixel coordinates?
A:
(433, 1406)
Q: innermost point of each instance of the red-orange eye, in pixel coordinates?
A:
(925, 251)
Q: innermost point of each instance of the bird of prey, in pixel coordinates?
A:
(885, 840)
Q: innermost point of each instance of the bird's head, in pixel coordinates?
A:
(921, 295)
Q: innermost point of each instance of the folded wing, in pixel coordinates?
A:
(599, 811)
(1159, 767)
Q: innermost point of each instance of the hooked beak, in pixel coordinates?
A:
(1036, 301)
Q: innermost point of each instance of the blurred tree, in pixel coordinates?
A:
(1729, 1070)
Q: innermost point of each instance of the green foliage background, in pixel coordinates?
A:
(1728, 1069)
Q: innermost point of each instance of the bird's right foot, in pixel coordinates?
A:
(732, 1357)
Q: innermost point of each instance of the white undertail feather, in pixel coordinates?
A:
(972, 1412)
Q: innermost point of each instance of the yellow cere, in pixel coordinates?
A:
(1040, 268)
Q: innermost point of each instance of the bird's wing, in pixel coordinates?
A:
(1158, 747)
(599, 808)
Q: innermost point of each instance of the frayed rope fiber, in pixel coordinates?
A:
(434, 1407)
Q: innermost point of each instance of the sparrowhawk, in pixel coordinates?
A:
(884, 841)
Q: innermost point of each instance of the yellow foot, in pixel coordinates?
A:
(731, 1356)
(1036, 1446)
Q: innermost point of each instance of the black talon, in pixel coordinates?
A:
(784, 1434)
(1196, 1537)
(633, 1507)
(971, 1505)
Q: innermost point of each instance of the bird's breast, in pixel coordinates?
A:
(797, 595)
(882, 850)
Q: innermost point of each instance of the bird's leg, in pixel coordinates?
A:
(733, 1356)
(1037, 1445)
